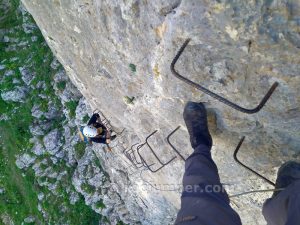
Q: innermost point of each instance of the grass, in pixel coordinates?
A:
(79, 149)
(88, 188)
(86, 118)
(100, 205)
(129, 100)
(132, 67)
(121, 223)
(21, 188)
(61, 85)
(71, 105)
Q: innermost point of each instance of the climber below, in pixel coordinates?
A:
(96, 132)
(204, 200)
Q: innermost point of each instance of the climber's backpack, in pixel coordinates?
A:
(82, 136)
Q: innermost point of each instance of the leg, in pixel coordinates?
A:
(100, 140)
(284, 206)
(203, 201)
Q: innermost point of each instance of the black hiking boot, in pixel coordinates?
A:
(287, 174)
(195, 118)
(113, 137)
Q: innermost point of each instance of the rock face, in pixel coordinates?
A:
(24, 161)
(16, 95)
(116, 50)
(52, 141)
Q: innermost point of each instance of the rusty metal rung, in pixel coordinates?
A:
(168, 139)
(158, 159)
(216, 96)
(106, 122)
(248, 168)
(130, 159)
(129, 153)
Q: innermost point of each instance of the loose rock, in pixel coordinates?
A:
(24, 161)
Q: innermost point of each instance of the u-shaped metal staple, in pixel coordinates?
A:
(172, 146)
(248, 168)
(216, 96)
(106, 122)
(155, 155)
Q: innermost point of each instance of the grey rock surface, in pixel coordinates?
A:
(55, 64)
(4, 117)
(29, 219)
(74, 197)
(36, 130)
(117, 49)
(16, 95)
(41, 85)
(82, 110)
(41, 196)
(36, 112)
(52, 141)
(52, 111)
(38, 148)
(2, 191)
(9, 73)
(16, 81)
(24, 161)
(27, 76)
(90, 180)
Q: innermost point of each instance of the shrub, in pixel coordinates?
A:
(61, 85)
(71, 105)
(79, 149)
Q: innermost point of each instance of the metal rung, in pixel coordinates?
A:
(168, 139)
(106, 122)
(248, 168)
(129, 153)
(158, 159)
(132, 153)
(212, 94)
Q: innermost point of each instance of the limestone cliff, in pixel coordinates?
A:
(114, 50)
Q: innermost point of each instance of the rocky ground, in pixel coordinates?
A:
(118, 54)
(48, 175)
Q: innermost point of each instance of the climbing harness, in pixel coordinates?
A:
(106, 123)
(214, 95)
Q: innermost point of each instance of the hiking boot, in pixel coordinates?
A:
(113, 137)
(195, 118)
(287, 174)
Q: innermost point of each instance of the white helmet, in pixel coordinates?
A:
(90, 131)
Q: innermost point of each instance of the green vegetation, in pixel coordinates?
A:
(21, 187)
(88, 188)
(61, 85)
(121, 223)
(132, 67)
(86, 118)
(71, 105)
(100, 205)
(129, 100)
(80, 149)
